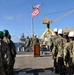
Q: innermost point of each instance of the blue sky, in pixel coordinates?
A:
(15, 15)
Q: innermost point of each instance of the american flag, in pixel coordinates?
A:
(35, 10)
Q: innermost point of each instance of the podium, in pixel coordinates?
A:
(36, 50)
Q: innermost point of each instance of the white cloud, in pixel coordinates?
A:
(8, 17)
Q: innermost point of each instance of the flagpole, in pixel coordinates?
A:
(32, 24)
(35, 12)
(32, 27)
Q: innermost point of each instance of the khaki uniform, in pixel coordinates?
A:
(35, 40)
(59, 52)
(69, 53)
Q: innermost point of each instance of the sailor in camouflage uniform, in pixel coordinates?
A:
(59, 51)
(2, 49)
(13, 51)
(52, 45)
(69, 53)
(12, 48)
(8, 62)
(53, 38)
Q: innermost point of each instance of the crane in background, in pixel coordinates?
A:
(48, 22)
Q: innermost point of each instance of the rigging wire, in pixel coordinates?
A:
(59, 11)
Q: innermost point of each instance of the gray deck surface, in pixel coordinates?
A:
(27, 64)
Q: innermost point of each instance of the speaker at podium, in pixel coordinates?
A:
(36, 50)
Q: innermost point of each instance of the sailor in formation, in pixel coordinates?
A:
(7, 53)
